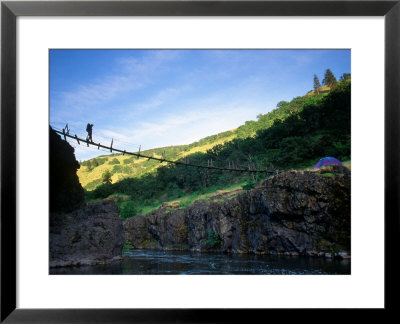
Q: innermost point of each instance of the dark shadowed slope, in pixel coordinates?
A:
(66, 192)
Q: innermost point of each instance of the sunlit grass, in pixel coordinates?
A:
(89, 177)
(203, 148)
(217, 193)
(323, 89)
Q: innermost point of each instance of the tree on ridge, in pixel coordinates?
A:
(317, 84)
(329, 79)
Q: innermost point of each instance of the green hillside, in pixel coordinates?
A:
(294, 135)
(128, 166)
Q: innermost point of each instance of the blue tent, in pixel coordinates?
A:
(327, 161)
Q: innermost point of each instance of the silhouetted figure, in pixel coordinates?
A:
(89, 128)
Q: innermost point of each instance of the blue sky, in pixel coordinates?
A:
(156, 98)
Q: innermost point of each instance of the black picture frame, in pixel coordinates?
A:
(10, 10)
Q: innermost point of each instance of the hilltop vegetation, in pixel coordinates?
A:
(294, 135)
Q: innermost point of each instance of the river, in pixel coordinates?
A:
(173, 262)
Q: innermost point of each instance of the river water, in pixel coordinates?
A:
(173, 262)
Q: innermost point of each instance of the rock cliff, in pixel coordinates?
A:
(295, 213)
(89, 235)
(66, 193)
(79, 233)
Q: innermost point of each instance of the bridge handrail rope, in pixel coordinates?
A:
(162, 159)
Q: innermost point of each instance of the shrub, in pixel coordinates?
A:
(101, 192)
(114, 161)
(249, 185)
(213, 241)
(127, 246)
(127, 210)
(89, 166)
(128, 161)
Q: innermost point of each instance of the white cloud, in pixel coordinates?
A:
(192, 125)
(100, 91)
(158, 99)
(131, 74)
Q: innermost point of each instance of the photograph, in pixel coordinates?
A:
(199, 161)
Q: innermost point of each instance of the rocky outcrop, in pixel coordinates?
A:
(79, 234)
(66, 193)
(162, 229)
(294, 213)
(92, 234)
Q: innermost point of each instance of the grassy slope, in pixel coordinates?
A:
(90, 179)
(323, 89)
(132, 167)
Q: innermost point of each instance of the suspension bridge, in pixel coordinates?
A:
(65, 133)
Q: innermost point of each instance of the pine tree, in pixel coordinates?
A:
(329, 79)
(89, 165)
(317, 85)
(107, 177)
